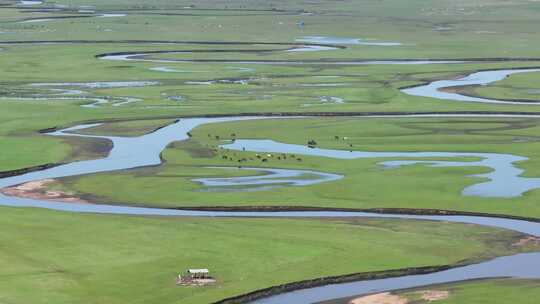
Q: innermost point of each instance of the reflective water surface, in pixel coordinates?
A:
(144, 151)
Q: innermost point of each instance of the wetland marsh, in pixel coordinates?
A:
(328, 151)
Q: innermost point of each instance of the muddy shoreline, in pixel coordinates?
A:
(38, 190)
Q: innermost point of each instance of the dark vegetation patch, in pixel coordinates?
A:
(88, 148)
(16, 172)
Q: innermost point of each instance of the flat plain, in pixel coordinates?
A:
(327, 77)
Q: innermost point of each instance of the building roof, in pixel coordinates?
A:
(198, 271)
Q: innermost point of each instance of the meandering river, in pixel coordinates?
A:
(436, 89)
(504, 179)
(144, 150)
(146, 57)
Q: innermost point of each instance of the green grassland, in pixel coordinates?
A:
(366, 183)
(470, 30)
(520, 87)
(55, 257)
(288, 88)
(434, 29)
(275, 88)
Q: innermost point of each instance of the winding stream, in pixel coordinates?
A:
(273, 178)
(523, 266)
(73, 91)
(29, 3)
(435, 89)
(504, 180)
(145, 150)
(345, 40)
(146, 57)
